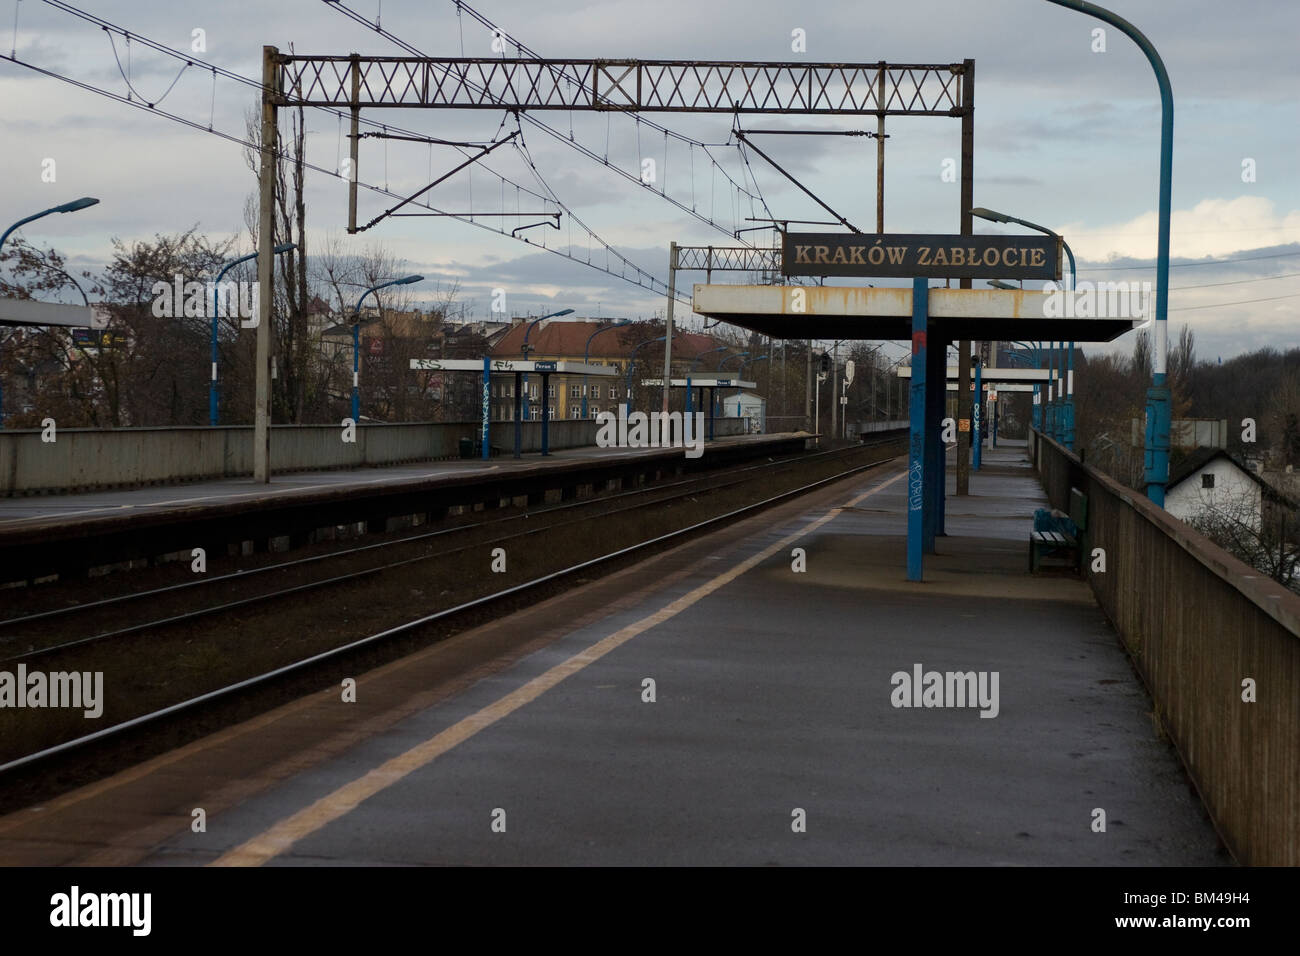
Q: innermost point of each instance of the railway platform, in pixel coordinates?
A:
(714, 704)
(37, 532)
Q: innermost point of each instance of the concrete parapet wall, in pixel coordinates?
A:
(1197, 622)
(82, 459)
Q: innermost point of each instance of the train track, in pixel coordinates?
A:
(439, 545)
(41, 630)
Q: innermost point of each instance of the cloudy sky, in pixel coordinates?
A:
(1065, 134)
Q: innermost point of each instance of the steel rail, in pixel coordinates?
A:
(424, 620)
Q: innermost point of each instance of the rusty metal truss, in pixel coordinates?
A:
(660, 86)
(728, 259)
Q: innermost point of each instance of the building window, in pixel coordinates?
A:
(1207, 481)
(575, 391)
(594, 411)
(550, 391)
(575, 411)
(613, 391)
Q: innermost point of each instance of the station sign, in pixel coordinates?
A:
(98, 338)
(544, 366)
(910, 255)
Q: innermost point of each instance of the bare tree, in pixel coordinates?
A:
(1234, 523)
(54, 376)
(293, 345)
(160, 375)
(1141, 364)
(1182, 367)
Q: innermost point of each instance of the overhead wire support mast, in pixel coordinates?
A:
(631, 86)
(626, 85)
(416, 195)
(420, 82)
(808, 192)
(814, 132)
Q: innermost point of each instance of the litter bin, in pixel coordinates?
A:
(467, 448)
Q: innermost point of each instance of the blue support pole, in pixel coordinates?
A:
(546, 415)
(916, 445)
(487, 394)
(936, 386)
(1058, 412)
(977, 422)
(1067, 410)
(1037, 412)
(1047, 393)
(939, 386)
(941, 473)
(519, 385)
(356, 366)
(690, 407)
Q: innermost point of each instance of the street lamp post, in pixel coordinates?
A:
(74, 206)
(216, 309)
(586, 357)
(533, 324)
(1158, 406)
(1061, 416)
(356, 340)
(525, 347)
(631, 364)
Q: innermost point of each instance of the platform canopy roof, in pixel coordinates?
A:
(561, 366)
(701, 382)
(31, 312)
(1004, 387)
(995, 376)
(854, 312)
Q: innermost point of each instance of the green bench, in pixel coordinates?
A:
(1058, 545)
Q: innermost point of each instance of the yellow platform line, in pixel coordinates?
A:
(284, 834)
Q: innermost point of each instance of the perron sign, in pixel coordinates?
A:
(905, 256)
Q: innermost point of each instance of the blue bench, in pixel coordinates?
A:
(1058, 538)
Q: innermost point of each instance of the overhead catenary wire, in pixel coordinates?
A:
(655, 285)
(1211, 285)
(521, 144)
(247, 81)
(529, 118)
(1185, 265)
(1224, 305)
(64, 7)
(126, 74)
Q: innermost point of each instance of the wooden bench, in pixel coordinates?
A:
(1059, 544)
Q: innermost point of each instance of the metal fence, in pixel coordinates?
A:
(1198, 623)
